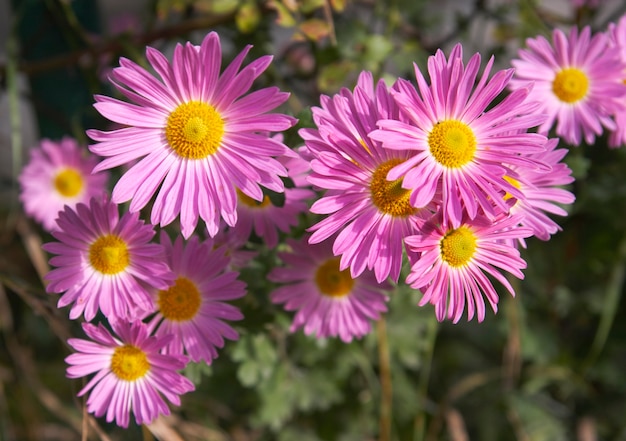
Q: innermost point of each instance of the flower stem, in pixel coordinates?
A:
(386, 393)
(419, 429)
(611, 302)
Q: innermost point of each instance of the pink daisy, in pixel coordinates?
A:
(370, 214)
(328, 301)
(459, 147)
(105, 262)
(454, 263)
(58, 174)
(617, 34)
(131, 375)
(198, 138)
(266, 218)
(193, 308)
(578, 82)
(542, 192)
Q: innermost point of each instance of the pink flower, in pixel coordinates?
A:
(328, 301)
(104, 262)
(454, 263)
(58, 174)
(617, 42)
(460, 146)
(369, 215)
(199, 138)
(267, 218)
(542, 192)
(131, 375)
(193, 309)
(578, 82)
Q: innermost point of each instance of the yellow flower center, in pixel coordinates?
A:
(452, 143)
(389, 196)
(458, 246)
(109, 254)
(181, 301)
(247, 200)
(514, 182)
(194, 130)
(331, 281)
(68, 182)
(129, 363)
(570, 85)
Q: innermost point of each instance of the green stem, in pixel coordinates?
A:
(386, 391)
(611, 302)
(12, 48)
(419, 430)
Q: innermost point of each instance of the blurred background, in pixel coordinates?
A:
(548, 367)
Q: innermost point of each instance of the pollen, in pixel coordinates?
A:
(570, 85)
(129, 363)
(452, 143)
(68, 182)
(109, 254)
(248, 201)
(458, 246)
(179, 302)
(331, 281)
(389, 196)
(194, 130)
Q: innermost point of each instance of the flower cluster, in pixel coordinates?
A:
(437, 180)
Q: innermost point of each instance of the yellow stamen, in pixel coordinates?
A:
(331, 281)
(68, 182)
(129, 363)
(458, 246)
(570, 85)
(194, 130)
(452, 143)
(248, 201)
(109, 254)
(389, 196)
(181, 301)
(514, 182)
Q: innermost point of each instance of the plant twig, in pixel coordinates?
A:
(386, 393)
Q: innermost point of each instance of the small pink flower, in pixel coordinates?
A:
(328, 301)
(131, 374)
(104, 262)
(577, 79)
(454, 262)
(59, 174)
(193, 309)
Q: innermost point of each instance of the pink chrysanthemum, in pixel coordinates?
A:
(131, 373)
(58, 174)
(328, 301)
(370, 214)
(193, 308)
(578, 81)
(198, 137)
(266, 218)
(543, 194)
(454, 263)
(460, 147)
(617, 40)
(105, 262)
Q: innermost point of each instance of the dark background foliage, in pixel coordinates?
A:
(548, 367)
